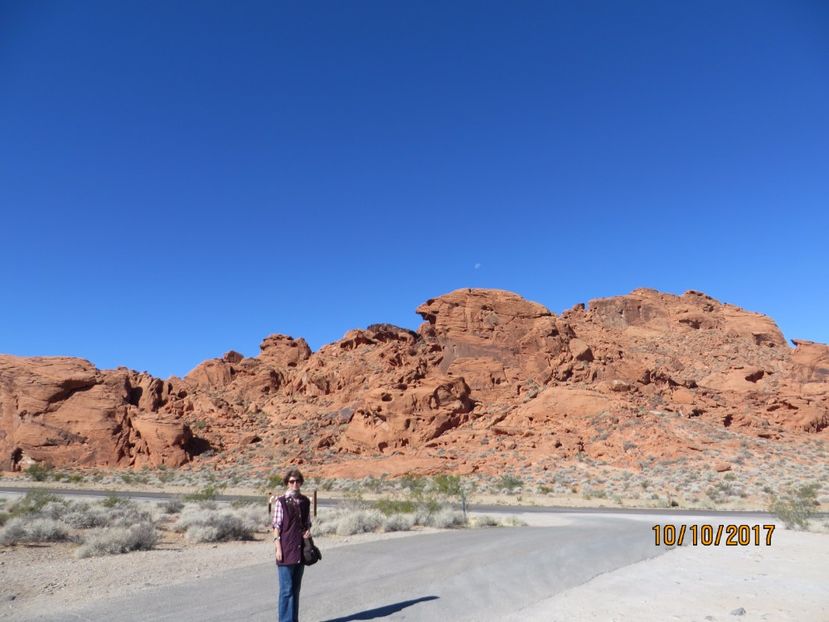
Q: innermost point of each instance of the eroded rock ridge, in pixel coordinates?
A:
(489, 380)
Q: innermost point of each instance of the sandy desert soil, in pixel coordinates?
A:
(779, 583)
(785, 581)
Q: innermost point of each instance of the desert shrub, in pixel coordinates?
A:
(221, 528)
(398, 522)
(453, 487)
(514, 521)
(171, 506)
(273, 482)
(796, 506)
(47, 530)
(4, 516)
(13, 532)
(33, 502)
(413, 483)
(324, 527)
(39, 472)
(371, 483)
(353, 500)
(509, 483)
(218, 525)
(208, 493)
(33, 530)
(326, 523)
(124, 513)
(190, 515)
(361, 521)
(55, 509)
(388, 507)
(134, 478)
(111, 501)
(485, 521)
(85, 516)
(114, 541)
(245, 502)
(446, 484)
(446, 518)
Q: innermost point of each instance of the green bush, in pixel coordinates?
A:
(111, 501)
(449, 485)
(796, 506)
(208, 493)
(39, 472)
(33, 502)
(510, 483)
(245, 502)
(413, 483)
(273, 482)
(395, 506)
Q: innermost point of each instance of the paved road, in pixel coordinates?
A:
(479, 575)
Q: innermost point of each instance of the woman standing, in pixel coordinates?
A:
(291, 523)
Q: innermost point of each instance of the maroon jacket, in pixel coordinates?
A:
(296, 517)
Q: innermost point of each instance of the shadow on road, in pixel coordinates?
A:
(382, 612)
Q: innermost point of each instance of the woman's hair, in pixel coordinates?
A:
(295, 474)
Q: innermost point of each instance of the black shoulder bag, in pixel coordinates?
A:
(310, 553)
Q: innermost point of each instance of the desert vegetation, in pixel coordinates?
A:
(116, 525)
(735, 473)
(795, 506)
(113, 525)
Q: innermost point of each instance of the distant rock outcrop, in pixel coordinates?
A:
(488, 381)
(65, 412)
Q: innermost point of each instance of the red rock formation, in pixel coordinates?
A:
(488, 381)
(64, 411)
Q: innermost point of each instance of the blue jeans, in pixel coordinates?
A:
(290, 580)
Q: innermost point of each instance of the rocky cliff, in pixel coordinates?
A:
(489, 380)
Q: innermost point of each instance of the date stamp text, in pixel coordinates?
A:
(713, 535)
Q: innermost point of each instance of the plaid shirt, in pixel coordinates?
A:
(276, 522)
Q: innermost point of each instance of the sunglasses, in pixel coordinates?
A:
(294, 481)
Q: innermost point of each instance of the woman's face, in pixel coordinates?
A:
(294, 483)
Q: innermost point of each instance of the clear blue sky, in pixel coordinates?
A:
(182, 178)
